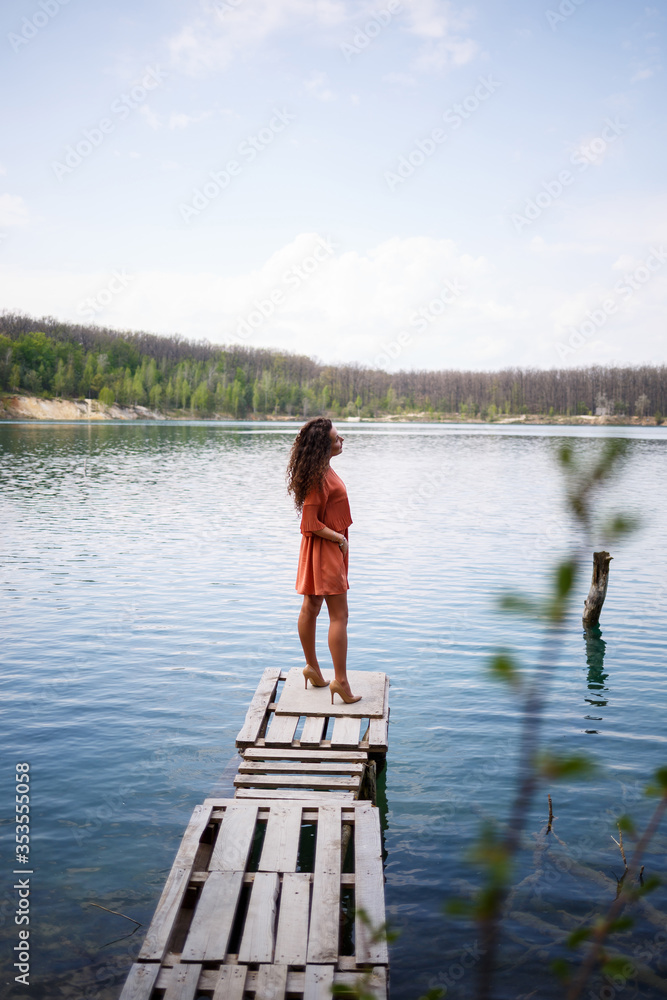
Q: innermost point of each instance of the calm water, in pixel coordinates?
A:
(146, 580)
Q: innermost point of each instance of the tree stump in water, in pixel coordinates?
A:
(598, 592)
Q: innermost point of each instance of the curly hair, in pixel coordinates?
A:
(309, 459)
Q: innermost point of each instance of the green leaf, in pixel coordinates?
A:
(561, 968)
(625, 824)
(579, 935)
(620, 525)
(503, 668)
(616, 966)
(519, 604)
(565, 576)
(565, 455)
(457, 907)
(661, 777)
(650, 883)
(557, 768)
(659, 785)
(621, 924)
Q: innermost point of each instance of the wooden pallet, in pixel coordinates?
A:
(272, 774)
(263, 727)
(236, 982)
(220, 912)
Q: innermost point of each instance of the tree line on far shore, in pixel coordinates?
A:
(48, 358)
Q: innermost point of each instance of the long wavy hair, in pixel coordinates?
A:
(309, 459)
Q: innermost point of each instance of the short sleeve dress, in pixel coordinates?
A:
(322, 566)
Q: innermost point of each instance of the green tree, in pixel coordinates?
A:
(107, 396)
(138, 389)
(155, 396)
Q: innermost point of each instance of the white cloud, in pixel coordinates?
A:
(442, 28)
(401, 79)
(153, 119)
(223, 31)
(317, 85)
(182, 120)
(414, 302)
(13, 210)
(217, 35)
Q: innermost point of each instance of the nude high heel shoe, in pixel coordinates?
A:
(310, 674)
(337, 688)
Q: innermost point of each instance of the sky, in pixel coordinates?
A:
(401, 184)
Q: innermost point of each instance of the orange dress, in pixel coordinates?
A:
(322, 566)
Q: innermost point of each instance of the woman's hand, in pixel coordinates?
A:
(343, 545)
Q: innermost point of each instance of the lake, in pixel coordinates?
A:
(147, 579)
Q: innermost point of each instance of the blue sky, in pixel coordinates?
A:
(413, 184)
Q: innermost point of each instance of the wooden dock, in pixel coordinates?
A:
(278, 892)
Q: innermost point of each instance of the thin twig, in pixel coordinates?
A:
(604, 927)
(551, 815)
(100, 907)
(620, 845)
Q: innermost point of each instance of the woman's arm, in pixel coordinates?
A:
(333, 536)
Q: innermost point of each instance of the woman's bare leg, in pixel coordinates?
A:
(310, 609)
(337, 606)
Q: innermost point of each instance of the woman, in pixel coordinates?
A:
(320, 496)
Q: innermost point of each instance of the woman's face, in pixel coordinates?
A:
(336, 442)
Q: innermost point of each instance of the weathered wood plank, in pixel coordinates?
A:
(192, 837)
(378, 730)
(369, 885)
(212, 922)
(301, 767)
(139, 984)
(297, 781)
(231, 984)
(232, 847)
(288, 793)
(325, 910)
(271, 983)
(376, 983)
(162, 924)
(313, 729)
(281, 730)
(346, 732)
(319, 980)
(258, 933)
(281, 840)
(258, 706)
(183, 982)
(292, 935)
(296, 753)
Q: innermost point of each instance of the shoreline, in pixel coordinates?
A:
(18, 407)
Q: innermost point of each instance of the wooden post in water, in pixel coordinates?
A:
(598, 592)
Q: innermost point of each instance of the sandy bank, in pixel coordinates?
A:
(33, 408)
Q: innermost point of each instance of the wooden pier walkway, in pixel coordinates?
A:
(277, 892)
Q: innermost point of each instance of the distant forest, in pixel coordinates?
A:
(172, 374)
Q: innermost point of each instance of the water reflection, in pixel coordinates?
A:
(595, 650)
